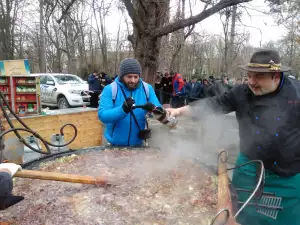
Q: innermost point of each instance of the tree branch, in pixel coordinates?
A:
(64, 12)
(130, 39)
(51, 12)
(132, 13)
(143, 6)
(189, 32)
(196, 19)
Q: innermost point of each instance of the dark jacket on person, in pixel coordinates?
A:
(157, 84)
(194, 90)
(269, 125)
(166, 83)
(205, 90)
(94, 83)
(106, 78)
(218, 88)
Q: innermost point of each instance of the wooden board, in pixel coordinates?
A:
(90, 129)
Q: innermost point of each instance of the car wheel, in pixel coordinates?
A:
(63, 103)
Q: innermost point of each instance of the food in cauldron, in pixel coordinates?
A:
(150, 187)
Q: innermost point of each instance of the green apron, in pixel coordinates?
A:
(286, 187)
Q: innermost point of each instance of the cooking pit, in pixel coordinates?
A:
(148, 187)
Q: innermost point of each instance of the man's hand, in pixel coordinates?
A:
(173, 112)
(127, 105)
(11, 167)
(183, 111)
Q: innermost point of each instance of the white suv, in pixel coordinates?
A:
(63, 90)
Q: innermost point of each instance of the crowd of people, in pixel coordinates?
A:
(171, 88)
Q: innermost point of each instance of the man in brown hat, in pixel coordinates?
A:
(268, 111)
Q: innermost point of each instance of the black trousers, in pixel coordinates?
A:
(157, 93)
(94, 100)
(166, 98)
(177, 101)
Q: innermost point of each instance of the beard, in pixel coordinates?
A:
(259, 91)
(131, 85)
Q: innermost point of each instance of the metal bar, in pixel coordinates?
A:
(263, 206)
(250, 191)
(224, 196)
(2, 146)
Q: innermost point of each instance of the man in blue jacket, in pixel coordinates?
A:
(124, 124)
(194, 89)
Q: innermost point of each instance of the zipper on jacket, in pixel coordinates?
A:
(129, 124)
(113, 129)
(129, 131)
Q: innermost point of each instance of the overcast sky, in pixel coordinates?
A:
(261, 26)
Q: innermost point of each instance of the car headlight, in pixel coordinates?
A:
(77, 92)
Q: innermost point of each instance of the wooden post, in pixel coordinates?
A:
(224, 197)
(42, 175)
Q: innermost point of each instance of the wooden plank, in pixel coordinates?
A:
(224, 196)
(72, 178)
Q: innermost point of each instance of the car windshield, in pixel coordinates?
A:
(67, 79)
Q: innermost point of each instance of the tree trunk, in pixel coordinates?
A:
(91, 49)
(104, 38)
(178, 39)
(232, 39)
(117, 48)
(147, 52)
(226, 13)
(42, 55)
(147, 46)
(292, 38)
(72, 64)
(6, 31)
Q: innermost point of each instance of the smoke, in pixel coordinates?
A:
(193, 139)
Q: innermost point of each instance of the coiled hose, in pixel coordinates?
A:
(27, 129)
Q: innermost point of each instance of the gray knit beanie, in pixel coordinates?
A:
(130, 66)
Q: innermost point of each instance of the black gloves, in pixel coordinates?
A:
(148, 107)
(6, 202)
(127, 105)
(6, 187)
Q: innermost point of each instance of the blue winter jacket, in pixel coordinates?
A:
(194, 92)
(121, 130)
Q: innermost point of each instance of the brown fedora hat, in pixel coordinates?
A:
(265, 61)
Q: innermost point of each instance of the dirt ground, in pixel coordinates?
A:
(150, 187)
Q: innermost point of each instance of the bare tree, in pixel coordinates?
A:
(232, 39)
(8, 17)
(225, 16)
(149, 23)
(101, 11)
(42, 48)
(180, 37)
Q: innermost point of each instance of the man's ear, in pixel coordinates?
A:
(276, 76)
